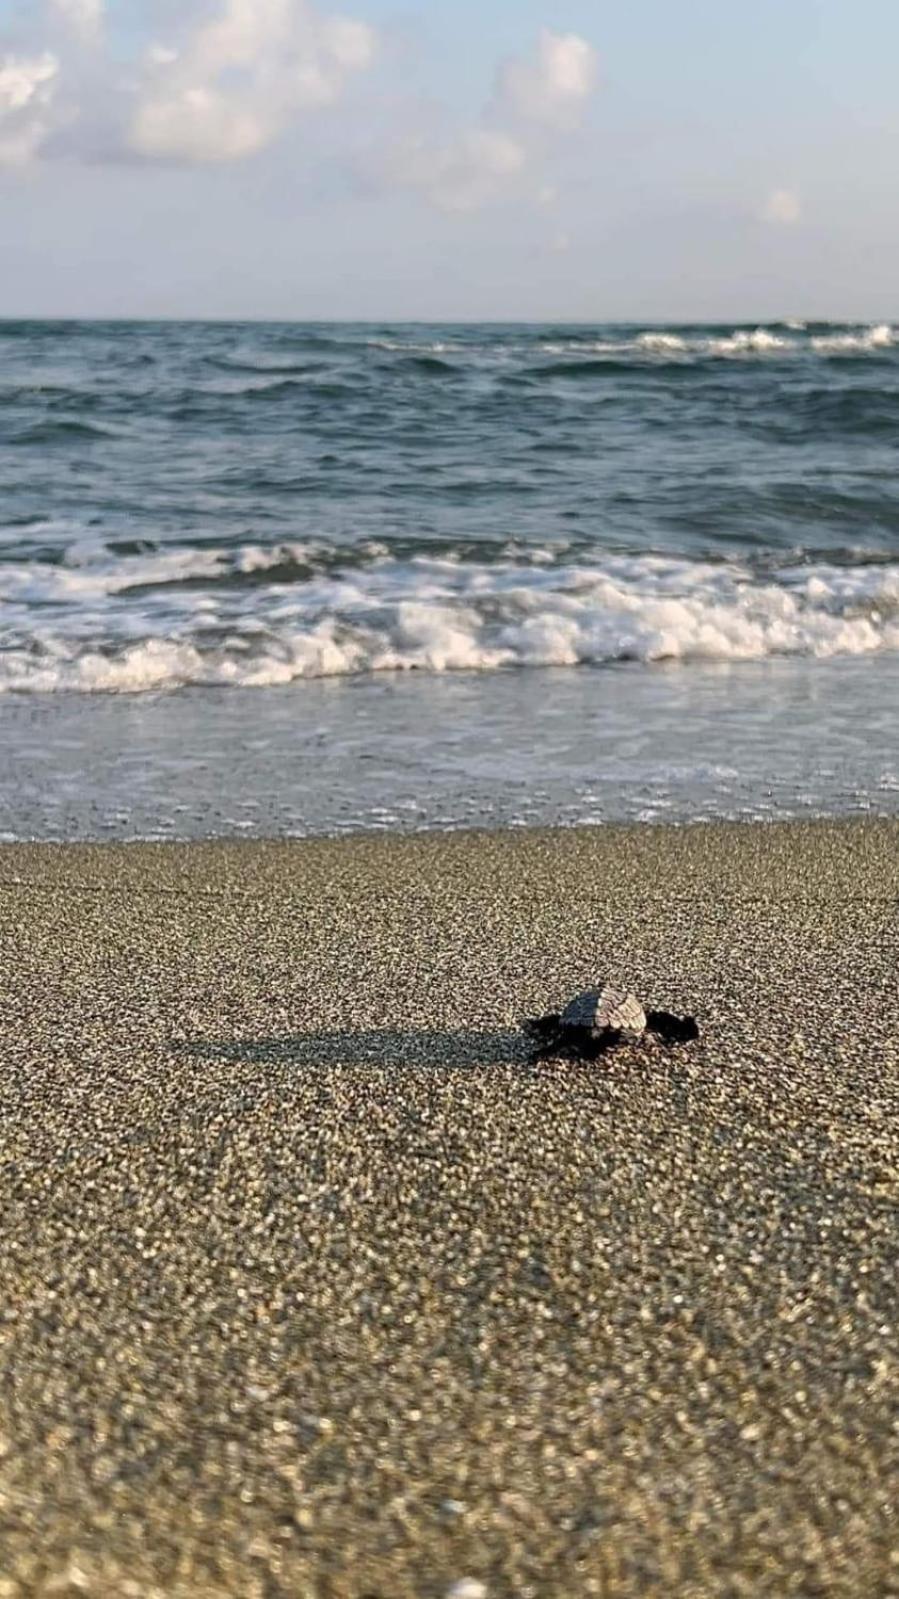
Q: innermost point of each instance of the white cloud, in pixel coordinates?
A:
(459, 174)
(27, 89)
(239, 79)
(534, 101)
(234, 77)
(194, 123)
(231, 76)
(83, 17)
(782, 206)
(554, 87)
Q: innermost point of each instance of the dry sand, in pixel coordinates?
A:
(311, 1286)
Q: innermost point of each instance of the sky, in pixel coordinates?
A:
(581, 160)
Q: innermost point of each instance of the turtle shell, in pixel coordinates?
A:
(606, 1009)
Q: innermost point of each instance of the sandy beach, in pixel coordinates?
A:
(313, 1286)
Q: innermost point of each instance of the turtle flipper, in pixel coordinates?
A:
(672, 1029)
(562, 1042)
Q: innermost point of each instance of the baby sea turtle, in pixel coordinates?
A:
(600, 1018)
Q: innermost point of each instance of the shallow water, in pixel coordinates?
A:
(766, 741)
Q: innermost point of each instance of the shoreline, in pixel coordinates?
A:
(847, 821)
(315, 1286)
(852, 844)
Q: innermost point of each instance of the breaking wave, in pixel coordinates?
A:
(253, 617)
(258, 503)
(710, 342)
(790, 339)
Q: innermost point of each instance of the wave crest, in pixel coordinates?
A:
(158, 620)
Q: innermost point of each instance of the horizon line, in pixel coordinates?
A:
(435, 321)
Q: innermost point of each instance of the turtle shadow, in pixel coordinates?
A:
(411, 1049)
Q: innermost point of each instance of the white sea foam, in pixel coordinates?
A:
(864, 341)
(163, 619)
(81, 580)
(741, 343)
(406, 347)
(784, 339)
(758, 341)
(666, 343)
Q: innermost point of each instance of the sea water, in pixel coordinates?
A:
(286, 579)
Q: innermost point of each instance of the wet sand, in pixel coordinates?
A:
(313, 1286)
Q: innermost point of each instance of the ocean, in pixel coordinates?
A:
(282, 579)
